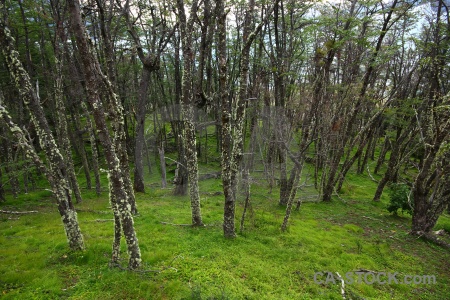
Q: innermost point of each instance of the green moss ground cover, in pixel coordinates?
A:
(180, 262)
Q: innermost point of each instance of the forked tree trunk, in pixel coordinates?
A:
(150, 64)
(95, 82)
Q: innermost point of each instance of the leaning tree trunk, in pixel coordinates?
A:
(96, 81)
(57, 174)
(57, 181)
(292, 190)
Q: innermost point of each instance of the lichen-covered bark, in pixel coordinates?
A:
(96, 83)
(57, 168)
(115, 254)
(233, 140)
(58, 183)
(120, 146)
(187, 112)
(181, 174)
(431, 188)
(229, 205)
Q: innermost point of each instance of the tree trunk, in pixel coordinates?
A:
(226, 143)
(11, 169)
(187, 109)
(61, 130)
(94, 150)
(55, 175)
(162, 161)
(95, 81)
(293, 182)
(140, 127)
(2, 190)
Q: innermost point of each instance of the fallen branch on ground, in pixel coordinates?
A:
(18, 212)
(167, 223)
(93, 211)
(370, 218)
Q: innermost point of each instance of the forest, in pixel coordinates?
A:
(212, 149)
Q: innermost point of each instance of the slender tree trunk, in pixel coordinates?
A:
(11, 169)
(246, 181)
(57, 174)
(62, 133)
(76, 139)
(140, 127)
(2, 189)
(95, 81)
(293, 182)
(94, 150)
(187, 109)
(382, 157)
(162, 161)
(226, 143)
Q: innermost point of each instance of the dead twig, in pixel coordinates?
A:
(370, 175)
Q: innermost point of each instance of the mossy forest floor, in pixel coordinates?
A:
(346, 235)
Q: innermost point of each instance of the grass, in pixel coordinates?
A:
(198, 263)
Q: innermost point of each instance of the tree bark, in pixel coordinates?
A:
(140, 127)
(56, 178)
(187, 108)
(95, 82)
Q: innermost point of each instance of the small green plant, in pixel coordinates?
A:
(400, 197)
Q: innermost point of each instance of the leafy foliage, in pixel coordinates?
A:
(400, 197)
